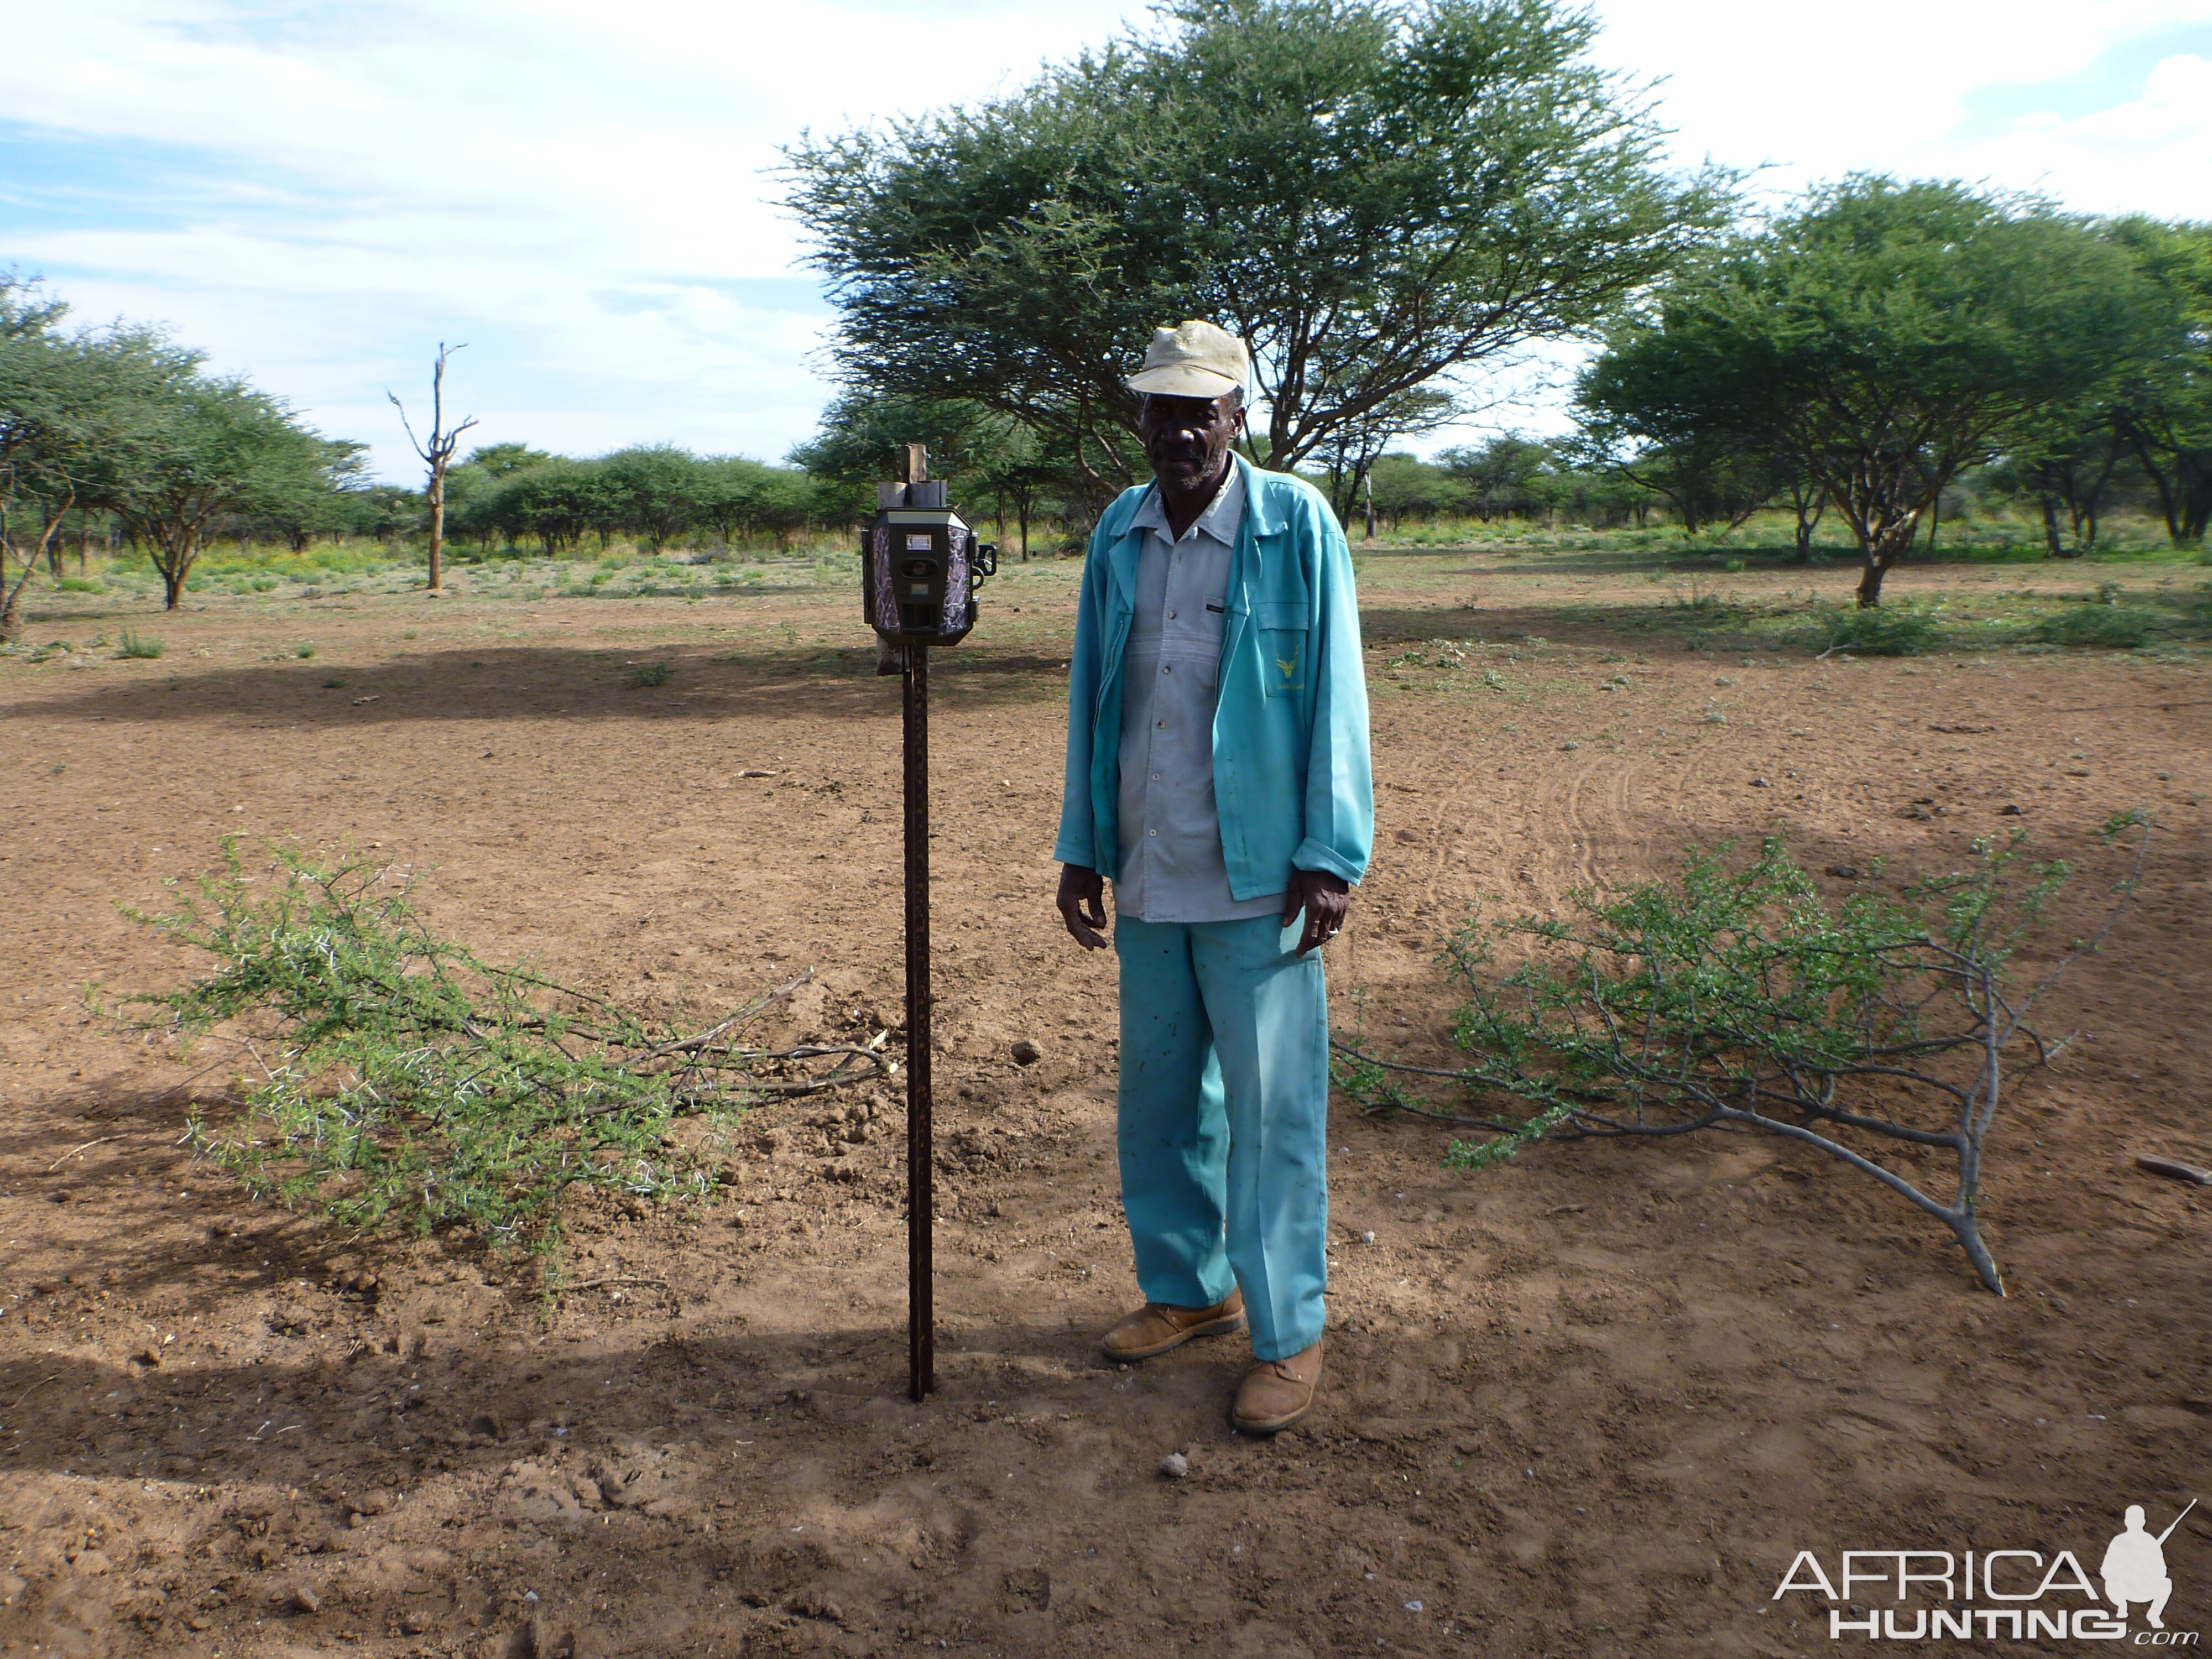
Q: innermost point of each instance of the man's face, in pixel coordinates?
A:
(1187, 438)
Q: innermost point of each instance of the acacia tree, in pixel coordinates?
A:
(29, 357)
(437, 453)
(1372, 193)
(1398, 487)
(1348, 456)
(1880, 339)
(1018, 471)
(654, 489)
(39, 433)
(2068, 457)
(1807, 506)
(2166, 411)
(552, 503)
(1708, 476)
(472, 487)
(2153, 408)
(71, 407)
(323, 497)
(1502, 476)
(208, 450)
(499, 460)
(785, 502)
(1660, 407)
(990, 454)
(724, 491)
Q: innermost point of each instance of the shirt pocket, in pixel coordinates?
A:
(1283, 640)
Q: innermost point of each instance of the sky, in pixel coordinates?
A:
(317, 194)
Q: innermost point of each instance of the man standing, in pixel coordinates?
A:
(1217, 772)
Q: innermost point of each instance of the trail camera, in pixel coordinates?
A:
(919, 562)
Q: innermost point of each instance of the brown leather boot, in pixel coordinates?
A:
(1156, 1328)
(1276, 1393)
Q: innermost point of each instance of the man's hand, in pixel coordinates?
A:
(1322, 896)
(1083, 905)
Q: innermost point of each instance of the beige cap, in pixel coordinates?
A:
(1193, 360)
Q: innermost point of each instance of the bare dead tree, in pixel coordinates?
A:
(437, 454)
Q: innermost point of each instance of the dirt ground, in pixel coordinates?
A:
(1556, 1421)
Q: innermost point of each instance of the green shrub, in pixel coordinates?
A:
(1891, 631)
(303, 652)
(136, 645)
(2100, 627)
(649, 673)
(80, 585)
(409, 1084)
(1744, 1000)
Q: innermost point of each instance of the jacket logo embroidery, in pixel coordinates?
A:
(1288, 664)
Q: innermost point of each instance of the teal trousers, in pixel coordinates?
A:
(1224, 1121)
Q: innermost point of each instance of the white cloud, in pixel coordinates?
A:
(580, 190)
(1796, 94)
(1814, 91)
(2151, 155)
(317, 194)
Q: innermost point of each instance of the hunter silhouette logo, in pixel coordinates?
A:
(2000, 1595)
(2134, 1569)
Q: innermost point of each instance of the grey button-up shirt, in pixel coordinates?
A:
(1172, 868)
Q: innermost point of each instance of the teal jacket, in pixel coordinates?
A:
(1291, 773)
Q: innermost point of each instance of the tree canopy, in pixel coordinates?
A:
(1877, 338)
(994, 456)
(1372, 193)
(2163, 411)
(122, 420)
(213, 449)
(658, 493)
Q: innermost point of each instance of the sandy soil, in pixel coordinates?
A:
(1558, 1419)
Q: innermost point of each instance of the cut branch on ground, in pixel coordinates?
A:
(409, 1085)
(1743, 1002)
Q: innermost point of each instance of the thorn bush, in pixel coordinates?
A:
(1744, 1000)
(1894, 630)
(399, 1081)
(2107, 626)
